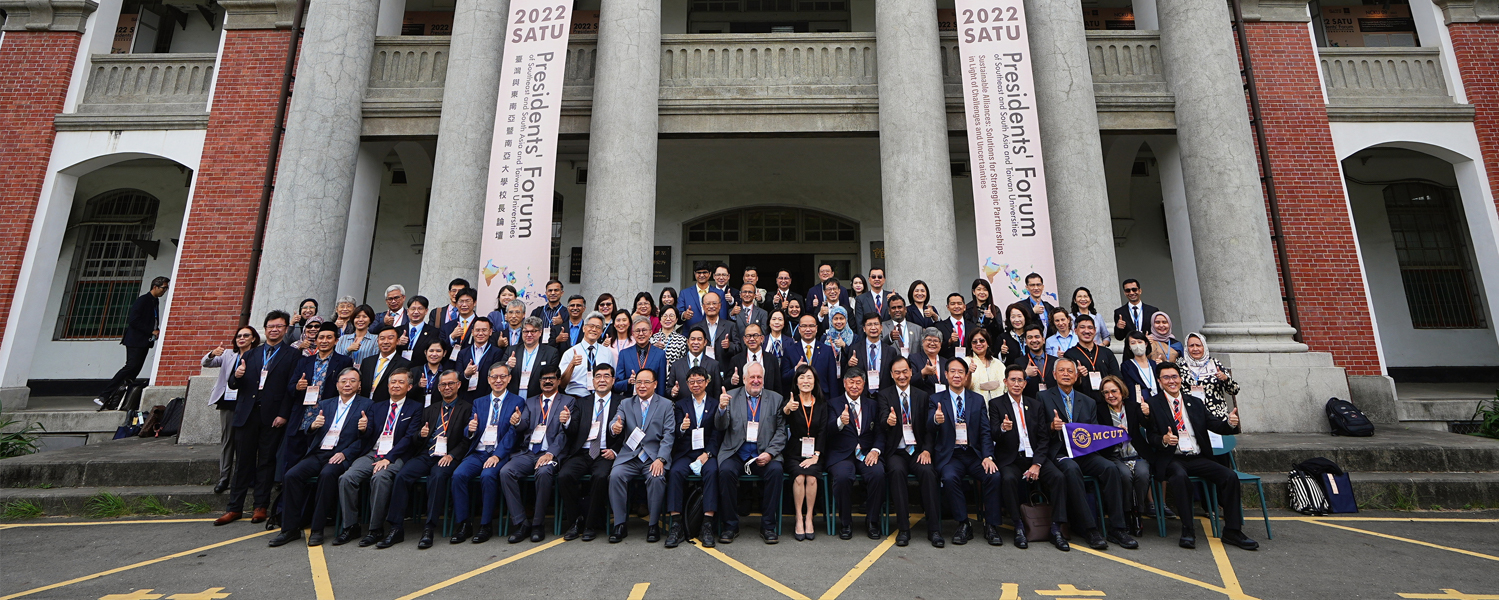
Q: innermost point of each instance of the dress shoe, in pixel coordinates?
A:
(522, 531)
(538, 533)
(800, 537)
(706, 536)
(572, 533)
(426, 542)
(674, 534)
(874, 530)
(221, 487)
(1021, 541)
(483, 534)
(1096, 540)
(372, 538)
(1060, 542)
(259, 516)
(653, 533)
(285, 538)
(846, 532)
(464, 532)
(903, 538)
(315, 537)
(348, 534)
(1122, 538)
(227, 518)
(936, 538)
(963, 534)
(1170, 514)
(727, 535)
(590, 535)
(618, 533)
(769, 535)
(1237, 538)
(395, 536)
(991, 535)
(1188, 539)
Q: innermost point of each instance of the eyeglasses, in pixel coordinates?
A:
(446, 383)
(243, 335)
(549, 378)
(1171, 377)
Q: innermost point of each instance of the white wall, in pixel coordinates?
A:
(402, 210)
(198, 36)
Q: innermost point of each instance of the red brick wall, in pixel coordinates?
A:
(1314, 212)
(35, 69)
(1476, 47)
(215, 249)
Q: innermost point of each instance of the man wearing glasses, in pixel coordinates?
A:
(579, 361)
(540, 430)
(263, 381)
(876, 299)
(754, 354)
(442, 438)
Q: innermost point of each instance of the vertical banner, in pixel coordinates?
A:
(517, 245)
(1009, 182)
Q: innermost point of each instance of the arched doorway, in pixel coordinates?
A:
(771, 239)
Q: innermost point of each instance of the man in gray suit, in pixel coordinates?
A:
(904, 335)
(540, 439)
(646, 421)
(746, 312)
(753, 434)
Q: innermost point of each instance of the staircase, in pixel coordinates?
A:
(1434, 405)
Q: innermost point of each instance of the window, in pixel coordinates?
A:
(772, 225)
(722, 228)
(822, 228)
(1432, 248)
(107, 266)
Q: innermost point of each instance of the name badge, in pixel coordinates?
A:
(873, 377)
(962, 429)
(593, 431)
(441, 446)
(406, 354)
(310, 398)
(428, 401)
(908, 434)
(537, 434)
(1041, 387)
(231, 395)
(635, 437)
(454, 354)
(809, 446)
(752, 432)
(473, 382)
(1095, 379)
(1197, 390)
(525, 377)
(331, 435)
(263, 374)
(697, 438)
(383, 445)
(960, 352)
(491, 435)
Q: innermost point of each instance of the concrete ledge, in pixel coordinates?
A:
(74, 501)
(1375, 490)
(14, 398)
(200, 420)
(1285, 392)
(1390, 449)
(1375, 396)
(71, 421)
(127, 462)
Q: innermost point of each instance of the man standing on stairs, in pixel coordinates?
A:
(142, 327)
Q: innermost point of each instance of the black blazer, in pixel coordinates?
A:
(378, 391)
(860, 348)
(736, 363)
(466, 356)
(677, 374)
(408, 420)
(890, 399)
(424, 338)
(681, 447)
(1037, 428)
(1046, 377)
(843, 440)
(770, 300)
(546, 354)
(1084, 410)
(926, 383)
(945, 326)
(1134, 423)
(1024, 304)
(1160, 422)
(141, 321)
(457, 430)
(274, 399)
(1147, 312)
(1100, 361)
(579, 423)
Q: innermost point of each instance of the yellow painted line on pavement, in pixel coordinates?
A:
(321, 583)
(1225, 568)
(129, 522)
(129, 567)
(858, 571)
(1387, 519)
(756, 575)
(476, 572)
(638, 592)
(1396, 538)
(1164, 573)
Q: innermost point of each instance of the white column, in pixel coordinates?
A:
(369, 172)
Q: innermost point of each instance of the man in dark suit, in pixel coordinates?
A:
(417, 335)
(1134, 315)
(696, 356)
(642, 356)
(493, 438)
(745, 312)
(260, 416)
(822, 358)
(694, 452)
(540, 438)
(441, 315)
(903, 335)
(956, 328)
(460, 330)
(1022, 450)
(553, 312)
(753, 431)
(387, 445)
(722, 334)
(1040, 367)
(475, 358)
(374, 370)
(876, 299)
(528, 358)
(904, 407)
(856, 445)
(1037, 310)
(817, 294)
(781, 296)
(394, 315)
(142, 327)
(871, 356)
(690, 301)
(1066, 405)
(754, 352)
(832, 295)
(1177, 427)
(961, 446)
(312, 381)
(338, 430)
(590, 452)
(442, 439)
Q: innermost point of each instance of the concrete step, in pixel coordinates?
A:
(1386, 490)
(67, 421)
(1438, 409)
(127, 462)
(1391, 449)
(76, 500)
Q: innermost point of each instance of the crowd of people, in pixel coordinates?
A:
(710, 386)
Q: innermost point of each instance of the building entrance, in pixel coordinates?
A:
(773, 239)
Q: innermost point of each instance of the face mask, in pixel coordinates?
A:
(1138, 349)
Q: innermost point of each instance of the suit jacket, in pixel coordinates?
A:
(890, 398)
(401, 322)
(771, 362)
(1147, 313)
(505, 434)
(490, 355)
(688, 298)
(141, 321)
(306, 366)
(540, 312)
(844, 440)
(1037, 429)
(556, 432)
(754, 314)
(1047, 377)
(770, 300)
(910, 334)
(439, 316)
(546, 354)
(926, 383)
(817, 293)
(450, 326)
(1161, 422)
(407, 421)
(725, 330)
(943, 437)
(1024, 304)
(946, 327)
(457, 428)
(824, 361)
(1133, 378)
(682, 446)
(350, 439)
(629, 365)
(274, 398)
(656, 424)
(1084, 410)
(378, 390)
(860, 349)
(424, 337)
(1134, 424)
(678, 376)
(864, 304)
(578, 428)
(555, 336)
(732, 424)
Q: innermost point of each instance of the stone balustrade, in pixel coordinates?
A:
(144, 91)
(1381, 84)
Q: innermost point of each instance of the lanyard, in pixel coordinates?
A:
(447, 413)
(807, 414)
(1092, 360)
(1041, 368)
(754, 408)
(546, 408)
(343, 409)
(267, 356)
(428, 376)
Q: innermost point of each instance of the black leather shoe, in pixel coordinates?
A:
(372, 538)
(727, 535)
(315, 538)
(590, 535)
(1236, 537)
(903, 538)
(618, 533)
(846, 532)
(963, 534)
(464, 533)
(1020, 540)
(483, 534)
(991, 534)
(706, 536)
(936, 538)
(653, 533)
(395, 536)
(1188, 539)
(769, 535)
(1122, 538)
(874, 530)
(674, 535)
(348, 534)
(521, 533)
(572, 533)
(426, 542)
(284, 538)
(1060, 542)
(1096, 540)
(538, 533)
(221, 487)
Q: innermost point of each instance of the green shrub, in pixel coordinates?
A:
(20, 442)
(22, 509)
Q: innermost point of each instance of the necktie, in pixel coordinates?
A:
(591, 364)
(961, 337)
(380, 368)
(874, 356)
(959, 399)
(755, 357)
(598, 417)
(411, 340)
(696, 361)
(808, 351)
(905, 406)
(857, 420)
(1176, 412)
(1136, 310)
(546, 406)
(878, 303)
(390, 420)
(1067, 402)
(645, 408)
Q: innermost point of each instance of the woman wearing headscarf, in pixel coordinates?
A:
(1206, 377)
(1163, 347)
(838, 334)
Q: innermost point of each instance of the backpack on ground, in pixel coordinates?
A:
(171, 421)
(1346, 419)
(1304, 495)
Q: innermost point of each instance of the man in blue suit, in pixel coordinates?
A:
(856, 445)
(540, 433)
(338, 430)
(387, 445)
(696, 444)
(493, 438)
(958, 424)
(1066, 405)
(822, 357)
(260, 417)
(475, 358)
(642, 356)
(690, 301)
(312, 381)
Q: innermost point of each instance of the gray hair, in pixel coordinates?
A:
(346, 300)
(533, 321)
(515, 304)
(639, 319)
(593, 314)
(931, 332)
(396, 287)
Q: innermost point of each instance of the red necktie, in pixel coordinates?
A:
(1176, 411)
(961, 337)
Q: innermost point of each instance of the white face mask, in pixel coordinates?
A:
(1138, 349)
